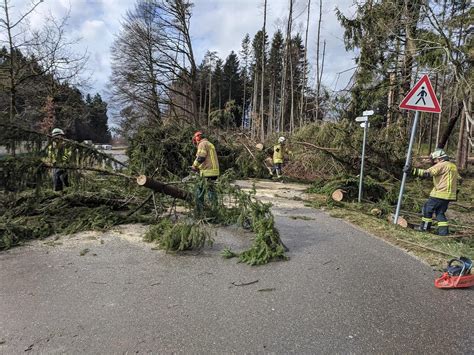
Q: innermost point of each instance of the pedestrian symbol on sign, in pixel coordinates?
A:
(422, 95)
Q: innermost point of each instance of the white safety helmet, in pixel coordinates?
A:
(281, 140)
(438, 153)
(57, 132)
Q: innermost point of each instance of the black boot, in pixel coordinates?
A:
(443, 229)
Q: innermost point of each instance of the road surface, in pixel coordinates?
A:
(342, 291)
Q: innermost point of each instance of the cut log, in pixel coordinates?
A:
(169, 190)
(259, 146)
(402, 222)
(338, 195)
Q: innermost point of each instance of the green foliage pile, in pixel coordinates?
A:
(21, 172)
(231, 206)
(32, 215)
(166, 152)
(242, 208)
(384, 155)
(372, 190)
(179, 236)
(32, 168)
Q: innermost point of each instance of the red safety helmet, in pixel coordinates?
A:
(197, 137)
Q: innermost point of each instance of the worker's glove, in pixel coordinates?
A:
(407, 169)
(194, 169)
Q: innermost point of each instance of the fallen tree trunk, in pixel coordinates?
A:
(158, 186)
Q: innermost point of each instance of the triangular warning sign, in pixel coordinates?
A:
(422, 97)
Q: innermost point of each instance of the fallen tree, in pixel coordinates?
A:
(164, 188)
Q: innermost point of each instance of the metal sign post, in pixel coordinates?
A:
(407, 163)
(420, 98)
(365, 124)
(361, 181)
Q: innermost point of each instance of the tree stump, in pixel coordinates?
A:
(402, 222)
(338, 195)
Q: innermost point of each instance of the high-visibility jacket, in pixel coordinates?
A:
(278, 154)
(58, 153)
(206, 159)
(445, 176)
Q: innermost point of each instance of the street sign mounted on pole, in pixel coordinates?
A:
(365, 124)
(422, 97)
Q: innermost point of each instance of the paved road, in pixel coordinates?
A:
(342, 291)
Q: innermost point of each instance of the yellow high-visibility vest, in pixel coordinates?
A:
(445, 176)
(210, 166)
(278, 154)
(58, 154)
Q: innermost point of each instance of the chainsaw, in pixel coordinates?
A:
(192, 175)
(457, 275)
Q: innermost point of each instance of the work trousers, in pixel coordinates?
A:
(277, 168)
(205, 185)
(438, 207)
(60, 179)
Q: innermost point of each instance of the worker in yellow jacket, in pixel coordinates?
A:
(58, 155)
(278, 153)
(445, 176)
(207, 165)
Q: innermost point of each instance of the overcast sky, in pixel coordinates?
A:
(217, 25)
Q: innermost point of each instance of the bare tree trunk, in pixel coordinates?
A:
(283, 95)
(243, 102)
(322, 69)
(262, 123)
(430, 144)
(411, 15)
(253, 116)
(318, 77)
(210, 98)
(271, 108)
(292, 99)
(391, 79)
(12, 108)
(449, 129)
(303, 87)
(461, 154)
(441, 99)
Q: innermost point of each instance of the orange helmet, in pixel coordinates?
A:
(197, 137)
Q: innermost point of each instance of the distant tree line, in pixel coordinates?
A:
(39, 78)
(265, 88)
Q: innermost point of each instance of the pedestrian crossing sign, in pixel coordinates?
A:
(422, 97)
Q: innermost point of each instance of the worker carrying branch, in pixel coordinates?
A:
(278, 154)
(445, 176)
(207, 165)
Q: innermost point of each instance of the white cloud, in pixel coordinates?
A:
(215, 25)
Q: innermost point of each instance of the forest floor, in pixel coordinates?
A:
(342, 290)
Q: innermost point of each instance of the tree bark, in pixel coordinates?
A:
(451, 124)
(303, 87)
(158, 186)
(318, 83)
(262, 124)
